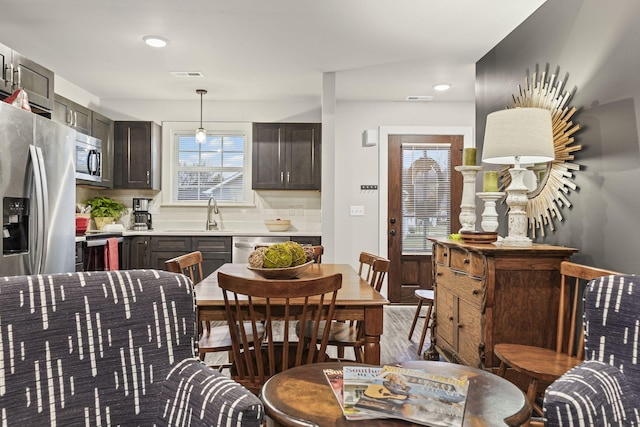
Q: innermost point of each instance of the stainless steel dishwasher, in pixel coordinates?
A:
(244, 245)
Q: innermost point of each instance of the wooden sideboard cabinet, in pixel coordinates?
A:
(488, 294)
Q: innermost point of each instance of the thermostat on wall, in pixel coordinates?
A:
(369, 138)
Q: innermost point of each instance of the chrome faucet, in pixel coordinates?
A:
(211, 222)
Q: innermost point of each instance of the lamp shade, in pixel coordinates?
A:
(525, 133)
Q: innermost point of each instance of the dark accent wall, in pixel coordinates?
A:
(595, 46)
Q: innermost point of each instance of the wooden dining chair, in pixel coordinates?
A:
(373, 269)
(276, 304)
(544, 365)
(210, 339)
(318, 251)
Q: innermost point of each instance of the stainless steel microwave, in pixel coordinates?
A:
(88, 158)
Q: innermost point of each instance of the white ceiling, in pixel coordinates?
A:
(382, 50)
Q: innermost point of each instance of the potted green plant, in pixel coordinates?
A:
(105, 210)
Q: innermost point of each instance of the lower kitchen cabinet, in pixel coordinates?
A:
(153, 251)
(138, 248)
(215, 252)
(488, 294)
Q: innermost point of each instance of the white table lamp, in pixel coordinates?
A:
(512, 137)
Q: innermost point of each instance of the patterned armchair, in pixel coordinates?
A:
(604, 390)
(109, 348)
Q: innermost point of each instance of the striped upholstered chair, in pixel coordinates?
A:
(604, 390)
(109, 348)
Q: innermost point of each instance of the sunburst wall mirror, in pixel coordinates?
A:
(551, 182)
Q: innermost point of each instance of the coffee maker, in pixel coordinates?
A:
(141, 216)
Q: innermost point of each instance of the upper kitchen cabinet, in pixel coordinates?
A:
(286, 156)
(137, 155)
(103, 128)
(20, 72)
(72, 114)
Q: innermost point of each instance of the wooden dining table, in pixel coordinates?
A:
(356, 300)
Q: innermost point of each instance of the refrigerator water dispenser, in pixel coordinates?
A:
(15, 225)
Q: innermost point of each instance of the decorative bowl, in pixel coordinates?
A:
(277, 224)
(281, 273)
(470, 236)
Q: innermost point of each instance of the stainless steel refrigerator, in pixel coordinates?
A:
(37, 192)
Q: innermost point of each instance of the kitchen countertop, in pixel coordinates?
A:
(219, 233)
(187, 232)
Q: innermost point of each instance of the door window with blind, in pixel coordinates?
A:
(216, 167)
(426, 195)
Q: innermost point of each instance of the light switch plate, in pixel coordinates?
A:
(357, 210)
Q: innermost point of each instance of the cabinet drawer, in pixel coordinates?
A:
(468, 262)
(211, 244)
(440, 254)
(171, 244)
(444, 316)
(465, 287)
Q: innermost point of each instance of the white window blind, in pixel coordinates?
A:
(426, 195)
(213, 168)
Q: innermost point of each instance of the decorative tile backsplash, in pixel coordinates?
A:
(303, 208)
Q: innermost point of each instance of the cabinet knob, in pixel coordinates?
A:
(438, 274)
(444, 255)
(148, 177)
(451, 319)
(475, 292)
(466, 261)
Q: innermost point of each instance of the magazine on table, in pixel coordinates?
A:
(415, 396)
(335, 379)
(347, 391)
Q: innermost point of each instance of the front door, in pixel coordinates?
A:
(425, 192)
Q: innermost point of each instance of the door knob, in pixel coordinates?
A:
(392, 232)
(392, 220)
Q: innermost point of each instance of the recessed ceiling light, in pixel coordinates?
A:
(441, 87)
(155, 41)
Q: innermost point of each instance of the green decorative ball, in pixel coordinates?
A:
(298, 257)
(277, 256)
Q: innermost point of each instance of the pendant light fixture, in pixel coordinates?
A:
(201, 134)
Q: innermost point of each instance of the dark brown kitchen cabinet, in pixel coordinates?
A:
(137, 155)
(72, 114)
(153, 251)
(102, 128)
(286, 156)
(139, 252)
(20, 72)
(163, 248)
(215, 252)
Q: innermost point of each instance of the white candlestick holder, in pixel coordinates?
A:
(489, 221)
(468, 204)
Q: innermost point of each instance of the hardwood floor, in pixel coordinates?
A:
(395, 347)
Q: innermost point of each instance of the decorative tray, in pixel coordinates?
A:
(478, 236)
(281, 273)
